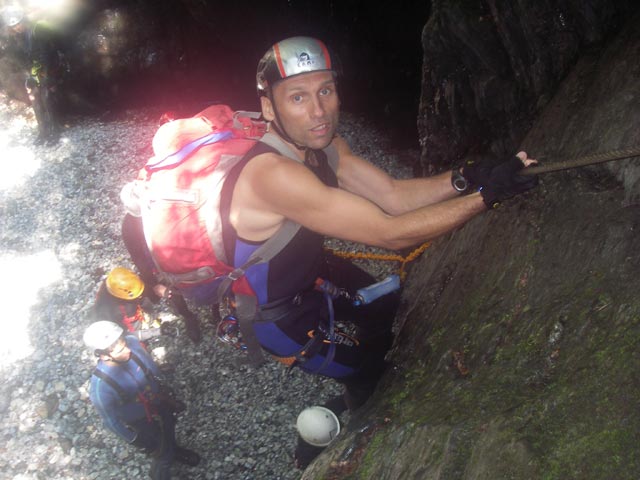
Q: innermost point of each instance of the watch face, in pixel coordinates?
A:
(458, 182)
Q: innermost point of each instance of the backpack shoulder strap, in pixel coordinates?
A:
(247, 311)
(276, 142)
(262, 254)
(276, 243)
(145, 370)
(104, 376)
(332, 157)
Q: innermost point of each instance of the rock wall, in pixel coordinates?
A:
(490, 66)
(517, 353)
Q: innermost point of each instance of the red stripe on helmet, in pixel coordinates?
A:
(325, 52)
(278, 56)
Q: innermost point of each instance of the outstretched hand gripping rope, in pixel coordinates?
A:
(582, 161)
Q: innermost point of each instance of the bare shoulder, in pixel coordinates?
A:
(271, 188)
(270, 169)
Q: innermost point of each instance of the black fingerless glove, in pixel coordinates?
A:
(477, 169)
(504, 182)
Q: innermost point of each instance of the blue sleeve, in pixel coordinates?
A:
(107, 402)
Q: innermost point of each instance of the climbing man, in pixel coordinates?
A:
(124, 298)
(303, 172)
(128, 393)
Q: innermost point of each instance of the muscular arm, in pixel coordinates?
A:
(394, 196)
(272, 188)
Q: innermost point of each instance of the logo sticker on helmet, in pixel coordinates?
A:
(290, 57)
(305, 60)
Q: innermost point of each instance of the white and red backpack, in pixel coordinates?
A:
(178, 192)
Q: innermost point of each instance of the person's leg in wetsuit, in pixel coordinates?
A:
(357, 362)
(374, 324)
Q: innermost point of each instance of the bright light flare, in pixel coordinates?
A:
(22, 279)
(52, 6)
(22, 160)
(160, 354)
(57, 11)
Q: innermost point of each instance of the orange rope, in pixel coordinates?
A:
(385, 257)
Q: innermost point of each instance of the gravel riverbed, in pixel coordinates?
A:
(60, 215)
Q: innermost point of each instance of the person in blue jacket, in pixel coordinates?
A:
(128, 393)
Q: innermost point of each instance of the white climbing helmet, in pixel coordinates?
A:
(318, 426)
(101, 335)
(12, 15)
(290, 57)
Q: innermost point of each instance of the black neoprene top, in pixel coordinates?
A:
(296, 267)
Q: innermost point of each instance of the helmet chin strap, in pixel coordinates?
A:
(285, 136)
(279, 129)
(309, 154)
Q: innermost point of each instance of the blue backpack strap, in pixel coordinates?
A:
(178, 157)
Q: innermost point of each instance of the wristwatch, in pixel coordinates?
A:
(458, 182)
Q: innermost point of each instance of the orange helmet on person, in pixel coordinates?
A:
(124, 284)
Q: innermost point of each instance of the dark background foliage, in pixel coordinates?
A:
(207, 50)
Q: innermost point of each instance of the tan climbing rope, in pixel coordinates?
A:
(551, 167)
(583, 161)
(384, 257)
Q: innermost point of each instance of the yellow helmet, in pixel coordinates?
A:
(124, 284)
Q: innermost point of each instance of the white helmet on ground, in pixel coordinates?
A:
(101, 335)
(318, 426)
